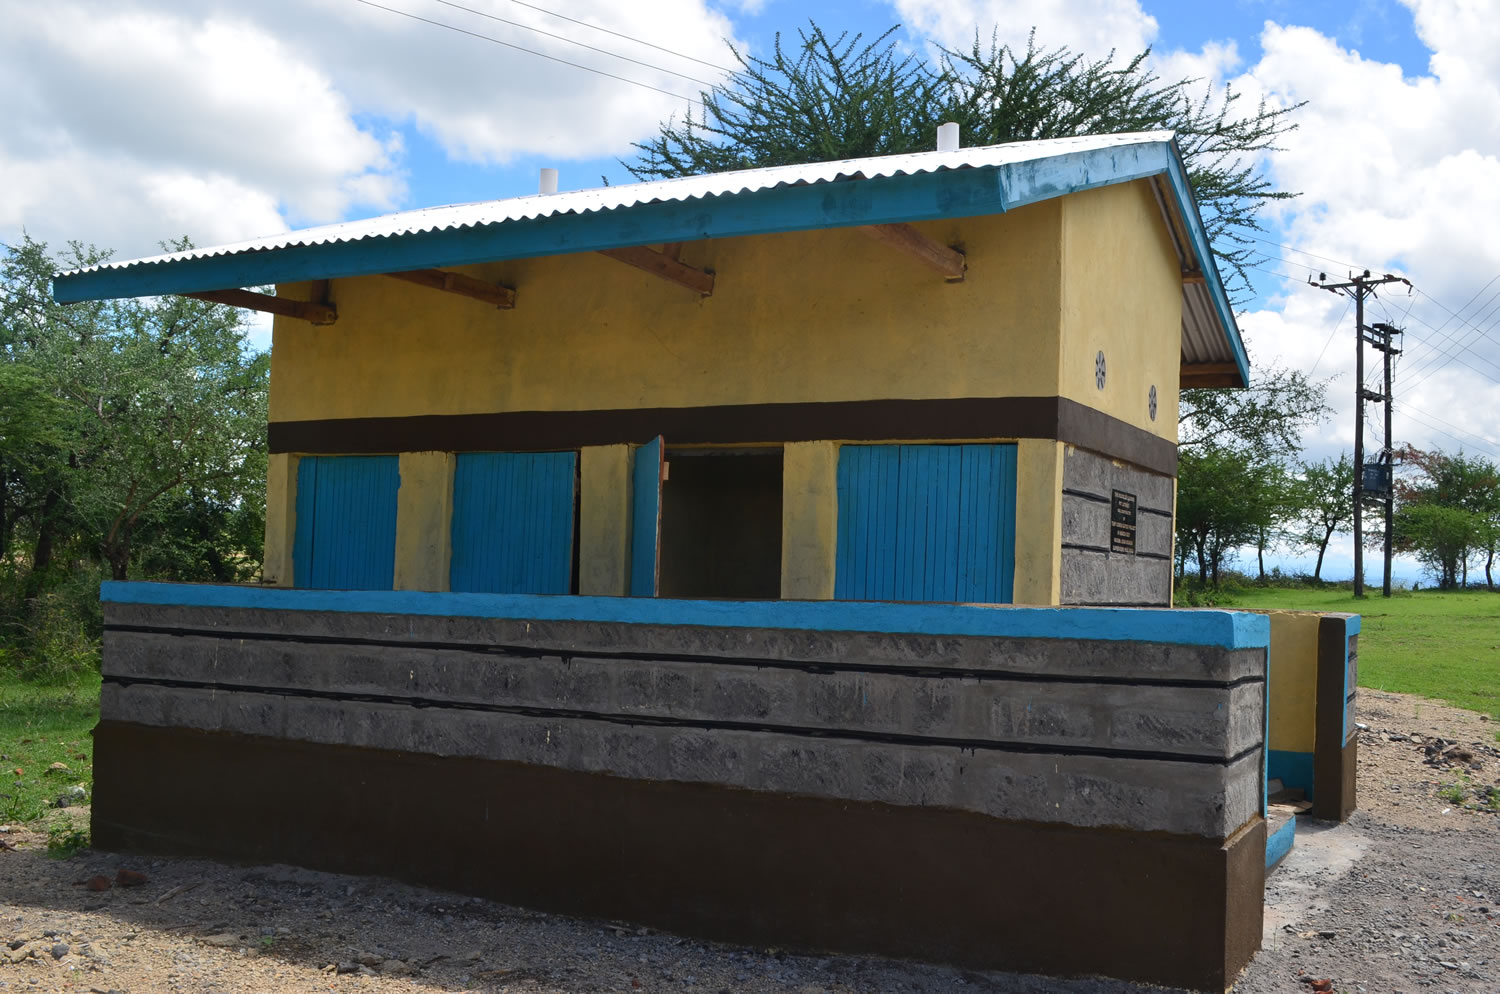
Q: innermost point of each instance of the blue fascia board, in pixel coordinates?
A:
(885, 200)
(1214, 628)
(939, 195)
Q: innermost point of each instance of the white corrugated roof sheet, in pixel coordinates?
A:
(608, 198)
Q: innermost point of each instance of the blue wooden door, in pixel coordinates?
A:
(926, 523)
(346, 522)
(645, 520)
(513, 522)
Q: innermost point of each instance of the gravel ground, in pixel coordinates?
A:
(1406, 897)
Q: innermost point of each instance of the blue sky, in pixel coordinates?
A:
(149, 119)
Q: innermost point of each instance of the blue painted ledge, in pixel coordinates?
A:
(1280, 843)
(1221, 629)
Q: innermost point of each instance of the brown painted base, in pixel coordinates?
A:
(1333, 781)
(743, 866)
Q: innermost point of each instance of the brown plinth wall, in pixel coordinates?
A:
(717, 862)
(1336, 739)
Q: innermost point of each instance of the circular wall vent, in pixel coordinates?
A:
(1099, 370)
(1151, 401)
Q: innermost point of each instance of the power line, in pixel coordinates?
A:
(1335, 331)
(619, 34)
(528, 51)
(1431, 367)
(570, 41)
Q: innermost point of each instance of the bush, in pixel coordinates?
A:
(53, 637)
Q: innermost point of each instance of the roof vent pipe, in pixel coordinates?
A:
(948, 137)
(548, 182)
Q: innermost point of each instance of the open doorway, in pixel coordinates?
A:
(721, 524)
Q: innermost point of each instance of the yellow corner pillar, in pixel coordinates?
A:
(1293, 681)
(424, 521)
(1039, 475)
(281, 519)
(604, 520)
(809, 520)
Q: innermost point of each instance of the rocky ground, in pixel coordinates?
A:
(1405, 898)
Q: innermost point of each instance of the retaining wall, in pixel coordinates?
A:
(943, 782)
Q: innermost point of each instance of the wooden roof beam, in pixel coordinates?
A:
(1209, 374)
(664, 265)
(282, 306)
(465, 286)
(947, 262)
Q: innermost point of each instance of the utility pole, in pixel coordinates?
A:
(1358, 288)
(1388, 457)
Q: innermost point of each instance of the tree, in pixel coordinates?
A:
(1446, 512)
(150, 404)
(1226, 498)
(834, 98)
(1269, 417)
(1325, 498)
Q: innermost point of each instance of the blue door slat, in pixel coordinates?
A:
(512, 527)
(346, 522)
(926, 523)
(645, 519)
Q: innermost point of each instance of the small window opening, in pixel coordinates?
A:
(721, 524)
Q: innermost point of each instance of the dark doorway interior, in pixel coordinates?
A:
(721, 525)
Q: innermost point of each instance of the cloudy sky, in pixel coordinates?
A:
(137, 121)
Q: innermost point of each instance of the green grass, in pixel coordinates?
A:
(39, 726)
(1443, 645)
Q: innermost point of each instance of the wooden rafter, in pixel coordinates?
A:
(664, 265)
(301, 310)
(1193, 277)
(947, 262)
(465, 286)
(1209, 374)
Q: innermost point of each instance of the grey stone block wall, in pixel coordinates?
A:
(1091, 572)
(1089, 733)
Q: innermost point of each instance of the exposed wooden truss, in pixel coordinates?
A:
(465, 286)
(664, 264)
(947, 262)
(1209, 374)
(314, 313)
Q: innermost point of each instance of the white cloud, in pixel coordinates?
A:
(1395, 176)
(132, 123)
(1091, 26)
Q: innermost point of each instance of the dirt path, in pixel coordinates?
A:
(1404, 898)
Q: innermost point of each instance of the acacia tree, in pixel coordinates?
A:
(1226, 498)
(826, 98)
(1325, 500)
(149, 404)
(1446, 512)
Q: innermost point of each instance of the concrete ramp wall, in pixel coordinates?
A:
(947, 783)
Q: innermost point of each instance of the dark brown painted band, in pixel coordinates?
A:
(1334, 759)
(737, 424)
(734, 865)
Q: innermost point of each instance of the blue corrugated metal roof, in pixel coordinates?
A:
(888, 189)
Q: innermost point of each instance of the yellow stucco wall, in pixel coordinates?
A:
(604, 492)
(1121, 294)
(424, 521)
(804, 316)
(281, 519)
(1293, 681)
(808, 316)
(1039, 474)
(809, 520)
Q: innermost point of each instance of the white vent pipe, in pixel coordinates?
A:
(948, 137)
(548, 182)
